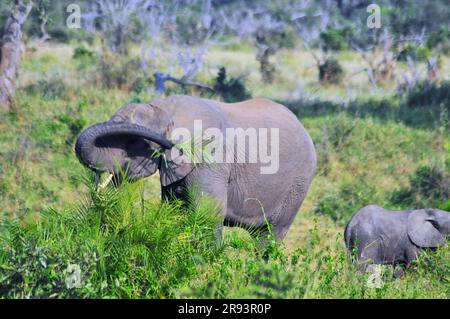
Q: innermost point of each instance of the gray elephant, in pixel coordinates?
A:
(382, 236)
(142, 138)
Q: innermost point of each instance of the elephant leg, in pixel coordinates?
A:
(289, 210)
(369, 254)
(399, 270)
(176, 190)
(207, 185)
(262, 234)
(283, 216)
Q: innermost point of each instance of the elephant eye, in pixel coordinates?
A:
(118, 119)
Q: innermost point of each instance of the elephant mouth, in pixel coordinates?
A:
(125, 150)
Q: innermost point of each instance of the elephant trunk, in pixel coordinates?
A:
(88, 144)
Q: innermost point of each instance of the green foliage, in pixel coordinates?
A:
(232, 89)
(346, 201)
(123, 73)
(445, 206)
(428, 187)
(83, 56)
(336, 39)
(414, 52)
(440, 40)
(314, 271)
(75, 121)
(425, 94)
(122, 245)
(81, 53)
(426, 107)
(330, 71)
(413, 16)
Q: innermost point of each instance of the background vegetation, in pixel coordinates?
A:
(375, 108)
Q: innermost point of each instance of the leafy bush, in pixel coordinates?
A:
(428, 187)
(83, 56)
(336, 39)
(426, 94)
(231, 90)
(415, 52)
(114, 244)
(49, 88)
(119, 72)
(341, 205)
(440, 40)
(75, 121)
(330, 71)
(82, 52)
(435, 263)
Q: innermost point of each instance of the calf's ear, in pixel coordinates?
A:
(422, 231)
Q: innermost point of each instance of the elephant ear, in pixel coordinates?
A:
(421, 230)
(174, 166)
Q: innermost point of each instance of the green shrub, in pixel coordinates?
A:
(331, 71)
(119, 72)
(75, 121)
(82, 52)
(231, 90)
(335, 39)
(428, 187)
(340, 206)
(50, 88)
(445, 206)
(415, 52)
(114, 244)
(426, 94)
(440, 40)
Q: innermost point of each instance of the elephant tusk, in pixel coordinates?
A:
(106, 181)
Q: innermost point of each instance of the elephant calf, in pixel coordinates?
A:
(382, 236)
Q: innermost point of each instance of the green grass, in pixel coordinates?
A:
(116, 244)
(122, 245)
(373, 148)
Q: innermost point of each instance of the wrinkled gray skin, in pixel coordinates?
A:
(382, 236)
(242, 193)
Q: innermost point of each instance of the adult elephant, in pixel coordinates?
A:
(264, 180)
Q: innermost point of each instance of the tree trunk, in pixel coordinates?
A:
(10, 52)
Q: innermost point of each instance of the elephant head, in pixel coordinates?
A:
(428, 228)
(134, 141)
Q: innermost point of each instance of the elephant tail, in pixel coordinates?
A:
(349, 238)
(347, 235)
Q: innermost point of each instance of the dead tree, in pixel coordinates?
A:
(162, 29)
(265, 32)
(43, 17)
(380, 58)
(11, 52)
(114, 19)
(310, 20)
(432, 69)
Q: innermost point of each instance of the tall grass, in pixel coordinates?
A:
(120, 245)
(116, 244)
